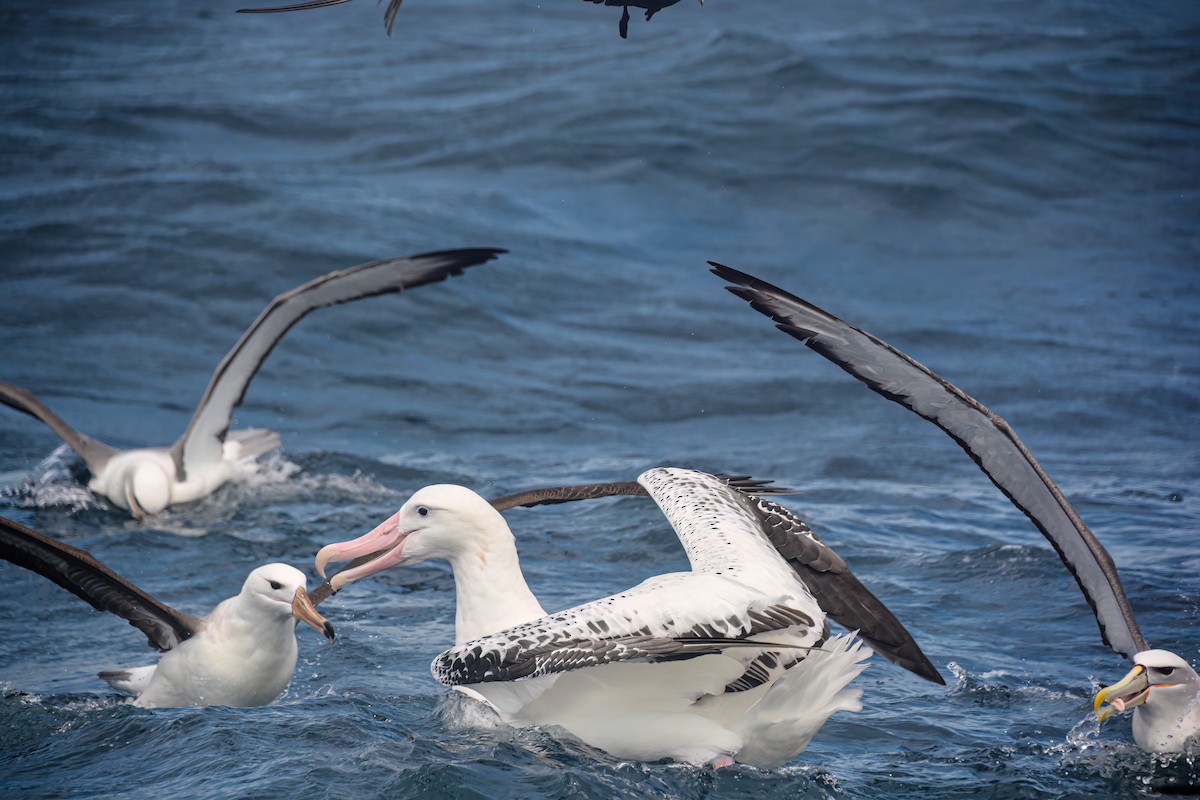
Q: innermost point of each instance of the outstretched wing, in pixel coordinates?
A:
(94, 453)
(201, 443)
(984, 435)
(840, 594)
(79, 573)
(554, 495)
(836, 589)
(389, 15)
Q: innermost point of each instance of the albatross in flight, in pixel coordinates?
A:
(389, 15)
(242, 653)
(1162, 687)
(147, 480)
(732, 661)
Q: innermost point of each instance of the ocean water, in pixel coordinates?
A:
(1007, 190)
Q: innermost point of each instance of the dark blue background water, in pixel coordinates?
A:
(1009, 191)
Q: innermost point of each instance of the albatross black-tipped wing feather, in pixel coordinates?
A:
(984, 435)
(202, 442)
(94, 453)
(80, 573)
(839, 592)
(592, 491)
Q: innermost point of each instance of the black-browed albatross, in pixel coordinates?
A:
(147, 480)
(1163, 687)
(731, 661)
(242, 653)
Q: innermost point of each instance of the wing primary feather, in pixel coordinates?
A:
(840, 594)
(80, 573)
(205, 433)
(592, 491)
(984, 435)
(294, 7)
(93, 452)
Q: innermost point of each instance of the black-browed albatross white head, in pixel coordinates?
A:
(731, 661)
(147, 480)
(242, 653)
(1167, 703)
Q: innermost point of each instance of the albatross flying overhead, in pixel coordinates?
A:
(652, 7)
(1162, 687)
(147, 480)
(242, 653)
(730, 661)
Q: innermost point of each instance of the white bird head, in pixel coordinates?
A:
(440, 521)
(1162, 683)
(278, 591)
(142, 487)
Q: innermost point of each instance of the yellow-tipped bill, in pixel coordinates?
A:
(1130, 691)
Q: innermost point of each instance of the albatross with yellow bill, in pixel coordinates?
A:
(146, 480)
(242, 653)
(1162, 688)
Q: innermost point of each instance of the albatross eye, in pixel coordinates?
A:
(1165, 670)
(423, 511)
(276, 585)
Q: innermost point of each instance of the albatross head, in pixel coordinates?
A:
(440, 521)
(1164, 689)
(140, 485)
(277, 591)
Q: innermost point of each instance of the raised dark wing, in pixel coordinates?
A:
(839, 593)
(79, 573)
(389, 15)
(984, 435)
(501, 658)
(592, 491)
(202, 442)
(94, 453)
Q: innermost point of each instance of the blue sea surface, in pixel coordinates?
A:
(1008, 190)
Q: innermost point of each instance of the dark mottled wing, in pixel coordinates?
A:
(79, 573)
(984, 435)
(94, 453)
(201, 443)
(839, 593)
(389, 15)
(500, 658)
(591, 491)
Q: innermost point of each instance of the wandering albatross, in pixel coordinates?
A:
(731, 661)
(146, 480)
(1162, 687)
(242, 653)
(652, 7)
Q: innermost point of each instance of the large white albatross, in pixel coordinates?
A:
(146, 480)
(242, 653)
(1164, 689)
(731, 661)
